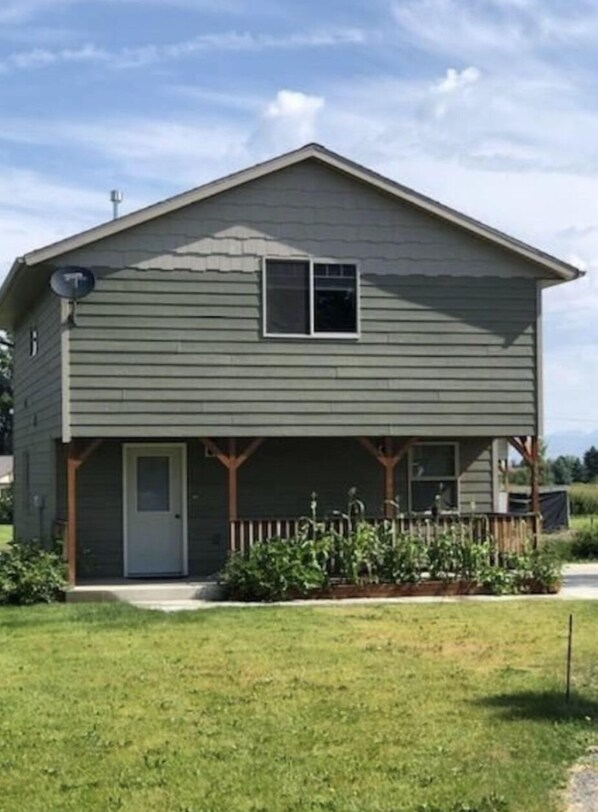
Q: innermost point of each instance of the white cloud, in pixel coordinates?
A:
(145, 55)
(456, 80)
(17, 12)
(288, 121)
(295, 109)
(454, 84)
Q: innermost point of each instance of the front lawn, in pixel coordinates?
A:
(5, 535)
(347, 709)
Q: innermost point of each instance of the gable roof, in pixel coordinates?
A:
(552, 266)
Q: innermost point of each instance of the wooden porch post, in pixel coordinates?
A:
(70, 550)
(232, 462)
(233, 492)
(76, 456)
(529, 448)
(389, 458)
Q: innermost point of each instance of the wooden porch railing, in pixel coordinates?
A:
(511, 532)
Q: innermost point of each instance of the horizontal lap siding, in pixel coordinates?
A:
(169, 344)
(37, 418)
(469, 372)
(476, 484)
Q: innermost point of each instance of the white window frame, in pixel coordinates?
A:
(456, 478)
(311, 261)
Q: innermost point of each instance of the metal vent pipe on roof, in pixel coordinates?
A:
(116, 197)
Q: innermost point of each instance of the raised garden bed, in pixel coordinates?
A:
(425, 589)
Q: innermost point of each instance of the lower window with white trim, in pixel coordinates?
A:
(433, 477)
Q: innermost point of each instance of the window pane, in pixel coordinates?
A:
(424, 495)
(335, 298)
(433, 460)
(287, 297)
(153, 484)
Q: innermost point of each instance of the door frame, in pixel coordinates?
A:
(184, 529)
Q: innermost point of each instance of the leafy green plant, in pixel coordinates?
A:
(274, 569)
(30, 573)
(404, 559)
(358, 554)
(348, 549)
(474, 557)
(543, 568)
(499, 580)
(443, 557)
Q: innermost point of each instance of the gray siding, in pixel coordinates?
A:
(305, 210)
(476, 487)
(435, 356)
(275, 483)
(37, 418)
(170, 342)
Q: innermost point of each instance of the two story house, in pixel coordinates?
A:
(302, 325)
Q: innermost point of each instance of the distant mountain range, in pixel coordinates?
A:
(570, 442)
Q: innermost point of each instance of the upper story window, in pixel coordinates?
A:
(307, 298)
(33, 342)
(433, 477)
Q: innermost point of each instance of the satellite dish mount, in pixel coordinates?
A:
(72, 283)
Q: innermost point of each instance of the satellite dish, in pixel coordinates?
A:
(72, 282)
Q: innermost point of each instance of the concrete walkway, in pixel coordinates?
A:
(580, 583)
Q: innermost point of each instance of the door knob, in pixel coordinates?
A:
(177, 515)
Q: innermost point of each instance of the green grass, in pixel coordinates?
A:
(561, 540)
(583, 522)
(5, 534)
(347, 709)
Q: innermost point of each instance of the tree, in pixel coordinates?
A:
(561, 471)
(519, 474)
(6, 403)
(578, 473)
(563, 467)
(590, 462)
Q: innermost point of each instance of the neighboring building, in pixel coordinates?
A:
(303, 325)
(6, 473)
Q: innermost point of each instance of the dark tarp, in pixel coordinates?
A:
(554, 507)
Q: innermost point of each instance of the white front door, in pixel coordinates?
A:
(154, 510)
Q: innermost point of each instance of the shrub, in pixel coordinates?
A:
(6, 505)
(583, 499)
(274, 569)
(30, 573)
(585, 543)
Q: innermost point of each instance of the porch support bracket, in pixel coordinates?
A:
(388, 455)
(77, 454)
(232, 461)
(529, 449)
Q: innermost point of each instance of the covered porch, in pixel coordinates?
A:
(221, 495)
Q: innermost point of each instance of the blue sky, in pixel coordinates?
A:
(488, 105)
